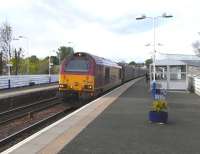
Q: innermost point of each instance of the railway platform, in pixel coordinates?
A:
(6, 93)
(118, 123)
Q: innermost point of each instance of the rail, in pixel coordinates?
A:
(35, 126)
(22, 111)
(25, 80)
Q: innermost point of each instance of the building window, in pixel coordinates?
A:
(178, 72)
(161, 72)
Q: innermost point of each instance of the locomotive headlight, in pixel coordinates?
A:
(88, 86)
(62, 85)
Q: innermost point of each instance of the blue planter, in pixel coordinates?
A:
(160, 117)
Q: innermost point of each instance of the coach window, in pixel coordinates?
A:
(107, 74)
(120, 73)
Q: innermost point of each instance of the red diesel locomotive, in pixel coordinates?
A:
(86, 75)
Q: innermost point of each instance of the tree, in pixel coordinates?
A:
(55, 60)
(132, 63)
(34, 64)
(44, 66)
(196, 46)
(64, 52)
(5, 40)
(16, 60)
(148, 62)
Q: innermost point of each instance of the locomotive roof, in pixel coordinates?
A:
(100, 60)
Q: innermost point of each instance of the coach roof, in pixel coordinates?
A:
(100, 60)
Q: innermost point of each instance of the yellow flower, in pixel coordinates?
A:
(159, 105)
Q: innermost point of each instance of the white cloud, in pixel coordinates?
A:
(105, 28)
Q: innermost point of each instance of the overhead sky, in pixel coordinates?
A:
(105, 28)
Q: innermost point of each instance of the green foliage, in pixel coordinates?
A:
(55, 60)
(34, 64)
(33, 59)
(64, 52)
(16, 60)
(132, 63)
(23, 68)
(44, 66)
(148, 62)
(55, 69)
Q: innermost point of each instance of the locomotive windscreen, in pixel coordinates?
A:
(77, 65)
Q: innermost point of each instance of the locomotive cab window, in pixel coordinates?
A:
(77, 65)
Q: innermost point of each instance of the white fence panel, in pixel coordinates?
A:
(54, 78)
(197, 85)
(3, 82)
(25, 80)
(39, 79)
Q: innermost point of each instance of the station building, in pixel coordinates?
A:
(174, 72)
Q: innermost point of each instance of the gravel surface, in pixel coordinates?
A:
(19, 124)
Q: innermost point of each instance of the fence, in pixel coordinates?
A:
(197, 85)
(26, 80)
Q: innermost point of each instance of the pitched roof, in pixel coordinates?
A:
(169, 62)
(178, 62)
(192, 62)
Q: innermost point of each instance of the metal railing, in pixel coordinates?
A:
(26, 80)
(197, 85)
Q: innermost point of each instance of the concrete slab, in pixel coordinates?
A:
(25, 90)
(123, 127)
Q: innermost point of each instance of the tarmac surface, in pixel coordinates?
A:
(123, 128)
(5, 93)
(2, 91)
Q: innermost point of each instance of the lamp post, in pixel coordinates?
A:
(50, 65)
(27, 44)
(154, 39)
(9, 65)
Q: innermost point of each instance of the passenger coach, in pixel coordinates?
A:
(85, 75)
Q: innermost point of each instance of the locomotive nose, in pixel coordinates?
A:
(77, 82)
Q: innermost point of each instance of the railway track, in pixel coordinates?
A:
(16, 113)
(11, 140)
